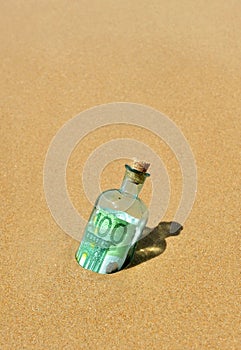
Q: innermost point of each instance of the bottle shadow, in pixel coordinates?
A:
(153, 244)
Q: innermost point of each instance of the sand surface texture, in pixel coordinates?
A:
(59, 58)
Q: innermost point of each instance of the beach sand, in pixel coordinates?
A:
(58, 59)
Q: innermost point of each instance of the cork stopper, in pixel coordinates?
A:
(140, 165)
(137, 171)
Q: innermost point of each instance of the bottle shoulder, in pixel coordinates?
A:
(116, 200)
(109, 195)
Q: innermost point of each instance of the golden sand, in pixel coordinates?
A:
(59, 58)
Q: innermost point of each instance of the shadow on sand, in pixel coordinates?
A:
(153, 244)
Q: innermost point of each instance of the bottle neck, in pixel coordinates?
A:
(133, 182)
(130, 187)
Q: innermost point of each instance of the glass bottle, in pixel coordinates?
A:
(115, 224)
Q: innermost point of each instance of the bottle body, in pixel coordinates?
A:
(114, 226)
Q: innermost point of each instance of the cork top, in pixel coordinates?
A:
(137, 171)
(140, 165)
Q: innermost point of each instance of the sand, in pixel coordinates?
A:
(59, 58)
